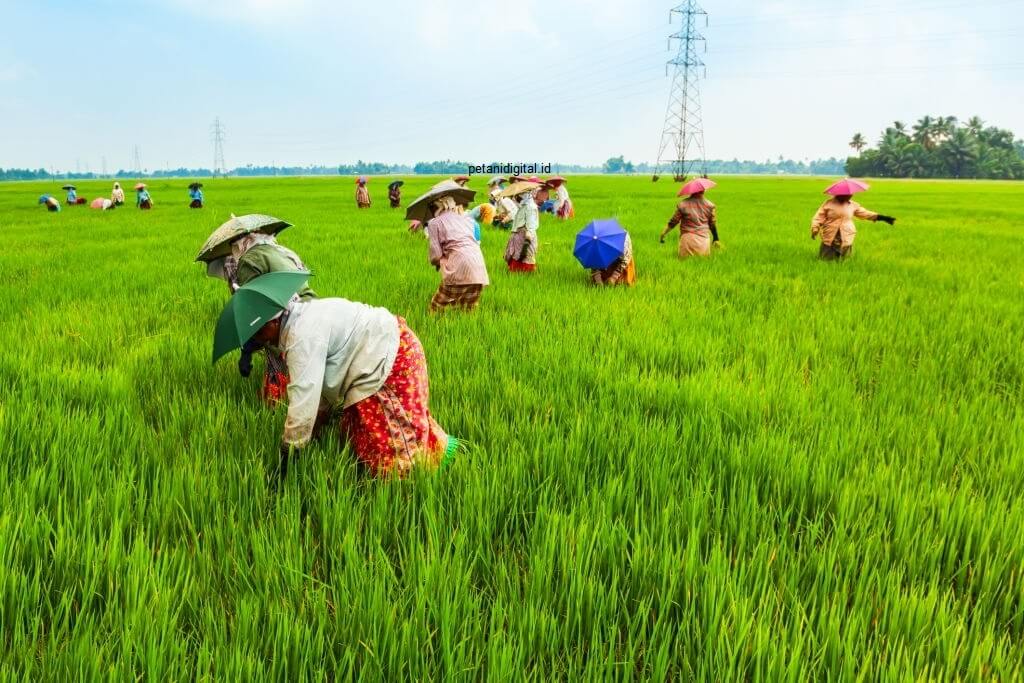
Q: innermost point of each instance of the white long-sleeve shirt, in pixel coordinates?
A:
(338, 352)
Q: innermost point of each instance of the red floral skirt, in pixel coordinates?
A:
(392, 430)
(520, 267)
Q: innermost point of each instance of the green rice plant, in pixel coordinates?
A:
(754, 466)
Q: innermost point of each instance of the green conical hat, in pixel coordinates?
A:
(253, 306)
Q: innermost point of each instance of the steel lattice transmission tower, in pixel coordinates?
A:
(682, 138)
(136, 160)
(217, 133)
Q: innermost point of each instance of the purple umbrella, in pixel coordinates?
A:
(600, 243)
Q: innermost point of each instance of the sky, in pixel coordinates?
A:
(299, 82)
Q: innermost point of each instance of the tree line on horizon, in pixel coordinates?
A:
(940, 147)
(614, 165)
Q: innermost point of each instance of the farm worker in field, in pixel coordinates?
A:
(482, 215)
(195, 193)
(697, 220)
(453, 248)
(395, 193)
(494, 187)
(239, 251)
(117, 195)
(142, 198)
(621, 272)
(362, 194)
(834, 220)
(50, 202)
(562, 206)
(521, 250)
(359, 364)
(505, 211)
(73, 197)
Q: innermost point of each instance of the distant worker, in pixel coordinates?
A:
(521, 250)
(50, 202)
(494, 187)
(349, 359)
(697, 220)
(562, 206)
(195, 193)
(117, 195)
(142, 198)
(834, 220)
(395, 193)
(73, 197)
(362, 194)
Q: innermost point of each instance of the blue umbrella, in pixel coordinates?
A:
(600, 243)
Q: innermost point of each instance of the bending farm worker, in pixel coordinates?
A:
(697, 219)
(73, 198)
(347, 361)
(195, 193)
(395, 194)
(834, 220)
(521, 250)
(621, 272)
(453, 248)
(142, 198)
(50, 202)
(238, 252)
(362, 194)
(562, 206)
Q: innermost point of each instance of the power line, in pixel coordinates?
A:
(682, 136)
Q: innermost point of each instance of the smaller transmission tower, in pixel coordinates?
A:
(217, 133)
(136, 160)
(682, 137)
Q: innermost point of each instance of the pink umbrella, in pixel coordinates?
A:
(98, 203)
(697, 185)
(847, 187)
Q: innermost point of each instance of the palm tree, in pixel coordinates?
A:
(924, 132)
(858, 143)
(975, 125)
(960, 153)
(899, 127)
(945, 126)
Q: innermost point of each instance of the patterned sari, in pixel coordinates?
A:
(392, 430)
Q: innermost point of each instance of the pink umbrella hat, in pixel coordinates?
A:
(697, 185)
(847, 186)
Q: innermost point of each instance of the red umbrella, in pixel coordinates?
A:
(847, 187)
(697, 185)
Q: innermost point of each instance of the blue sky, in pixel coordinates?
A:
(329, 81)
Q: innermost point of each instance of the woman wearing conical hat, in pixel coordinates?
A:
(697, 220)
(239, 251)
(834, 220)
(355, 364)
(362, 194)
(453, 249)
(521, 250)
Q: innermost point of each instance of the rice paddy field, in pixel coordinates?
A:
(757, 466)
